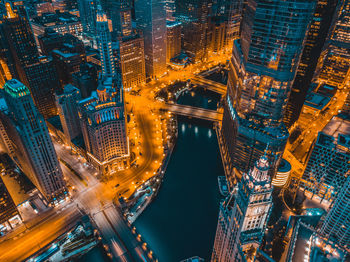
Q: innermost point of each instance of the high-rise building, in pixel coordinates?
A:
(151, 18)
(87, 12)
(217, 39)
(336, 225)
(67, 104)
(21, 60)
(104, 43)
(231, 12)
(333, 66)
(173, 42)
(170, 9)
(315, 39)
(43, 82)
(34, 150)
(120, 15)
(132, 61)
(243, 215)
(194, 15)
(329, 161)
(103, 126)
(262, 69)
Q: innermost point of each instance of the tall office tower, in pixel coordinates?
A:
(132, 61)
(104, 42)
(231, 12)
(151, 18)
(195, 17)
(43, 82)
(336, 225)
(120, 14)
(315, 39)
(243, 215)
(67, 104)
(87, 12)
(333, 66)
(173, 41)
(170, 9)
(329, 162)
(217, 39)
(35, 152)
(22, 59)
(262, 69)
(103, 126)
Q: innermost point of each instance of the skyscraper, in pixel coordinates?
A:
(34, 151)
(194, 15)
(262, 69)
(151, 18)
(329, 161)
(231, 12)
(120, 14)
(104, 42)
(333, 66)
(173, 43)
(336, 225)
(243, 216)
(170, 9)
(22, 59)
(103, 126)
(87, 12)
(315, 39)
(67, 104)
(132, 61)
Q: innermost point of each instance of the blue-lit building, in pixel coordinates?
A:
(329, 162)
(336, 225)
(151, 18)
(262, 70)
(243, 215)
(29, 142)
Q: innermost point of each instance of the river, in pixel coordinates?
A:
(181, 221)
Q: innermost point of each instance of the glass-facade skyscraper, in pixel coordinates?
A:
(262, 70)
(151, 18)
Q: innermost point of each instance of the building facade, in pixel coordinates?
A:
(173, 44)
(67, 105)
(104, 43)
(21, 60)
(243, 216)
(132, 61)
(262, 70)
(151, 18)
(34, 150)
(333, 66)
(103, 123)
(329, 161)
(336, 225)
(315, 39)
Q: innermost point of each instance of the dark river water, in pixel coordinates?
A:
(181, 221)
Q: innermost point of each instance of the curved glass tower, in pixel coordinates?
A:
(262, 70)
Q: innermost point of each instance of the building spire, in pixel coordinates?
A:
(261, 169)
(9, 11)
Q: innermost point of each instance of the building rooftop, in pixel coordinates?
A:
(317, 100)
(58, 18)
(15, 88)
